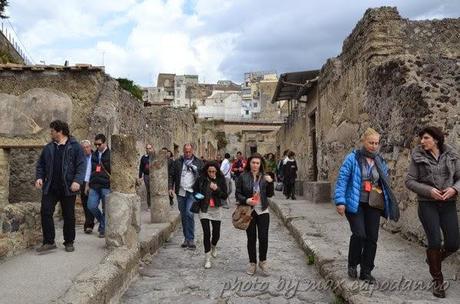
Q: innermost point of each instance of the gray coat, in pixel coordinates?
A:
(426, 173)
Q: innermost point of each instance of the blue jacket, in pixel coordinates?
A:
(73, 167)
(349, 184)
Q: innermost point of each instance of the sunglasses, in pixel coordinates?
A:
(212, 171)
(98, 144)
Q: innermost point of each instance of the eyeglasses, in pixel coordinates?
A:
(212, 171)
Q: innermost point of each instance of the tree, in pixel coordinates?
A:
(131, 87)
(3, 5)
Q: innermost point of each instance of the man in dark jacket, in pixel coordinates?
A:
(289, 175)
(99, 183)
(144, 171)
(60, 174)
(182, 176)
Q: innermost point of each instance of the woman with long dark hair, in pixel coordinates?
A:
(434, 175)
(211, 185)
(253, 188)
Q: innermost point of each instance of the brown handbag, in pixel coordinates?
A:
(241, 217)
(376, 198)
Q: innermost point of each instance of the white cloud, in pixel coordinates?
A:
(220, 39)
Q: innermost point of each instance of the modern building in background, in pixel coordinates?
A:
(224, 100)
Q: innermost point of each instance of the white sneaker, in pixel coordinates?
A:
(207, 262)
(251, 269)
(214, 251)
(264, 268)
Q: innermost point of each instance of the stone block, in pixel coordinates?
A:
(5, 174)
(122, 227)
(124, 163)
(318, 192)
(159, 188)
(299, 187)
(31, 112)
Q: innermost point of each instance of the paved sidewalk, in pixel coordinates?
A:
(321, 231)
(41, 278)
(32, 278)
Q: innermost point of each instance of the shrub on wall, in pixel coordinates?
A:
(131, 87)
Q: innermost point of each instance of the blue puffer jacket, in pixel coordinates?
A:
(349, 184)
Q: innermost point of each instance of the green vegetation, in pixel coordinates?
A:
(3, 5)
(131, 87)
(6, 57)
(310, 259)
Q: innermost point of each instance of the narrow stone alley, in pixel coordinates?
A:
(177, 275)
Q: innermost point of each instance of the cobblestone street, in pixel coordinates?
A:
(177, 275)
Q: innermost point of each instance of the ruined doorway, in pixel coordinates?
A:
(313, 148)
(253, 149)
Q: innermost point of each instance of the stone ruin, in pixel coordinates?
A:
(395, 75)
(92, 102)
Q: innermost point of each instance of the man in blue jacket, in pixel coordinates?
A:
(60, 174)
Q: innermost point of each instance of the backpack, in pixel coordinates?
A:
(241, 217)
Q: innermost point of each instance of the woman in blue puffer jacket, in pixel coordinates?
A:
(361, 182)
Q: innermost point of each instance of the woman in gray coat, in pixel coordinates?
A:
(434, 175)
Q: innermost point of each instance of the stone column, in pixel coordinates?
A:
(123, 217)
(5, 177)
(159, 188)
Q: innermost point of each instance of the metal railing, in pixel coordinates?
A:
(10, 35)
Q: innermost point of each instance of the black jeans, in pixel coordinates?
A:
(258, 228)
(89, 217)
(437, 216)
(207, 241)
(290, 189)
(147, 188)
(364, 227)
(68, 213)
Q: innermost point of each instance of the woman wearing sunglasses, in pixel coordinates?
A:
(211, 188)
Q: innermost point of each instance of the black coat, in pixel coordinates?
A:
(175, 172)
(290, 172)
(202, 186)
(101, 179)
(73, 166)
(144, 168)
(244, 189)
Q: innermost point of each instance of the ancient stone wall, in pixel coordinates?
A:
(395, 75)
(92, 102)
(299, 138)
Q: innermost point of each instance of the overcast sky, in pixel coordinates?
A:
(217, 39)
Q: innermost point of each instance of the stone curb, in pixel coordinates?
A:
(107, 282)
(325, 265)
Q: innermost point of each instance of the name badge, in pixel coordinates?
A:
(367, 186)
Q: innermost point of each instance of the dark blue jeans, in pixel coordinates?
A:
(187, 217)
(94, 197)
(364, 226)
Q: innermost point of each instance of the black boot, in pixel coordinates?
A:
(352, 272)
(367, 277)
(434, 261)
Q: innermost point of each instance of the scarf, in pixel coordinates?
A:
(393, 211)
